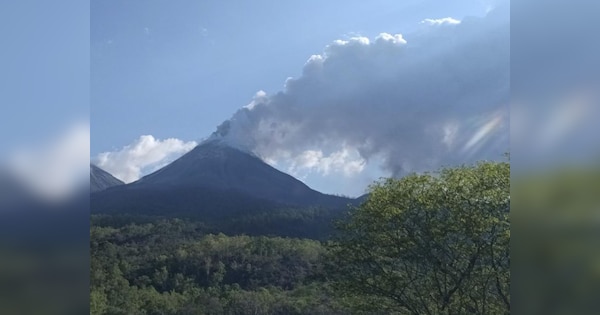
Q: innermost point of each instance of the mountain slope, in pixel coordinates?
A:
(216, 166)
(101, 179)
(229, 190)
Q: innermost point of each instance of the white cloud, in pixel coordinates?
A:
(391, 38)
(447, 20)
(58, 168)
(357, 40)
(342, 162)
(259, 97)
(144, 155)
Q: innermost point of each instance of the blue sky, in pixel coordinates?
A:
(177, 69)
(44, 63)
(45, 95)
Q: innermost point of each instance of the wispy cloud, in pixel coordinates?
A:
(447, 20)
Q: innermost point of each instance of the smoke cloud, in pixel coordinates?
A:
(436, 97)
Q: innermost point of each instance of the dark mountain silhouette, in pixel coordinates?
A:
(218, 183)
(27, 218)
(13, 192)
(101, 179)
(216, 166)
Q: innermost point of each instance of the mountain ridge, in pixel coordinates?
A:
(216, 165)
(101, 180)
(229, 190)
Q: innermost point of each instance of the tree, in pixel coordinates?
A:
(430, 243)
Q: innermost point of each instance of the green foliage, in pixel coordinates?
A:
(311, 222)
(556, 223)
(174, 267)
(430, 244)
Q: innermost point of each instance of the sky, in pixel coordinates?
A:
(161, 77)
(164, 75)
(45, 94)
(44, 62)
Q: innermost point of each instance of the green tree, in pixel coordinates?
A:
(98, 302)
(430, 244)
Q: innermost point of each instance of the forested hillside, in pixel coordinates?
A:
(173, 267)
(424, 244)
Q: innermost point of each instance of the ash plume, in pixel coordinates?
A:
(438, 96)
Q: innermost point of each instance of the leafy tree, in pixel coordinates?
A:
(430, 244)
(98, 302)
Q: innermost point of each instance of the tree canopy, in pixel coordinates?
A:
(435, 243)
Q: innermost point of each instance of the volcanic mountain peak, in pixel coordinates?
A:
(215, 165)
(219, 146)
(223, 138)
(217, 183)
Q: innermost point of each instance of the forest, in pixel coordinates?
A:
(433, 243)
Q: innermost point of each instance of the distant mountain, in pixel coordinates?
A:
(216, 166)
(215, 182)
(101, 179)
(14, 194)
(29, 219)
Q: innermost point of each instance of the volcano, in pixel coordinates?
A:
(214, 180)
(217, 166)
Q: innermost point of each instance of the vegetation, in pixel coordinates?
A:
(172, 267)
(556, 223)
(431, 244)
(220, 211)
(424, 244)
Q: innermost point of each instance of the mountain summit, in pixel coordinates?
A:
(229, 190)
(217, 166)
